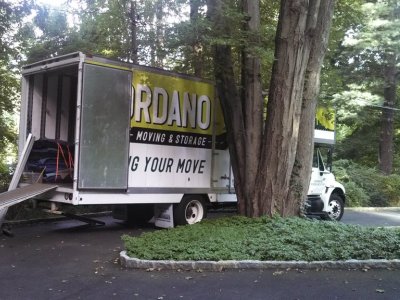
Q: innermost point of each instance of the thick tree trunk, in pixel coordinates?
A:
(267, 191)
(297, 22)
(243, 115)
(300, 179)
(252, 105)
(232, 109)
(387, 119)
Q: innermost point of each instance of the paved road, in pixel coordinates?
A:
(63, 260)
(386, 217)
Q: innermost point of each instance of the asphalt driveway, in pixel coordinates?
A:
(65, 260)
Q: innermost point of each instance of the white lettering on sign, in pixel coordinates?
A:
(143, 92)
(149, 136)
(157, 107)
(157, 118)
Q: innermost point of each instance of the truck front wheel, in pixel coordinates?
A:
(190, 210)
(335, 207)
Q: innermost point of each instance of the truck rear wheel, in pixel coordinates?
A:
(192, 209)
(335, 207)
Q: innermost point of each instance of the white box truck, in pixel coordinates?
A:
(98, 131)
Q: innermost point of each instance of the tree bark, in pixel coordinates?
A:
(159, 34)
(296, 23)
(387, 119)
(243, 117)
(230, 100)
(133, 28)
(252, 105)
(197, 47)
(263, 160)
(300, 179)
(232, 110)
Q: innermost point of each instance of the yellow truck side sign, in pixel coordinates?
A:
(171, 110)
(171, 103)
(325, 118)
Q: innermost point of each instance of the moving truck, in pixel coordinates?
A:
(150, 142)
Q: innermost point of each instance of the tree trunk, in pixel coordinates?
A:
(252, 105)
(267, 191)
(234, 110)
(302, 168)
(231, 107)
(296, 24)
(243, 115)
(133, 51)
(159, 34)
(387, 119)
(196, 45)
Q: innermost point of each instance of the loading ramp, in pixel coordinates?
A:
(16, 196)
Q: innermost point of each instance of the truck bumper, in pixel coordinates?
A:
(314, 206)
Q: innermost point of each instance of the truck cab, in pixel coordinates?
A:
(325, 197)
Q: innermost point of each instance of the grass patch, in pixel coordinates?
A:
(240, 238)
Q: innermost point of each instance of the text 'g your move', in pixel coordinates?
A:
(166, 165)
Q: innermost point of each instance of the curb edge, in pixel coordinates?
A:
(135, 263)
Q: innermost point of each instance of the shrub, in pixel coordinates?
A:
(367, 186)
(391, 188)
(355, 195)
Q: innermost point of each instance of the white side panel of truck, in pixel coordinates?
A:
(158, 166)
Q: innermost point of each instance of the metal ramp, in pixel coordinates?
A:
(19, 195)
(13, 197)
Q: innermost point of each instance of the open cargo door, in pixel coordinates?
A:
(105, 124)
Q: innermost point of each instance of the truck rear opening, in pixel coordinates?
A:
(51, 118)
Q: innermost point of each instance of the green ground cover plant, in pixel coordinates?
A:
(241, 238)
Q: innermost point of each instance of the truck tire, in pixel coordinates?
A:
(192, 209)
(335, 208)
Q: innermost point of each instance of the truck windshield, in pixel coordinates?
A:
(317, 160)
(322, 158)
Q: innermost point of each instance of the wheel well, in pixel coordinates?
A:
(340, 192)
(204, 197)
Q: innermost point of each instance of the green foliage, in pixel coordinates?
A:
(347, 15)
(54, 36)
(369, 49)
(240, 238)
(380, 31)
(390, 188)
(370, 45)
(13, 36)
(5, 175)
(366, 186)
(358, 143)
